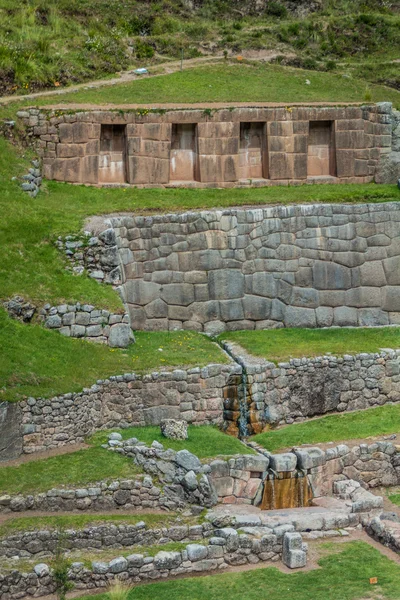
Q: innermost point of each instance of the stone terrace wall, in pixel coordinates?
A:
(195, 395)
(306, 387)
(27, 544)
(228, 549)
(70, 142)
(298, 266)
(140, 492)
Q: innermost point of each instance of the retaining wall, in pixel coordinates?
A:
(306, 387)
(28, 544)
(195, 395)
(294, 266)
(228, 549)
(226, 147)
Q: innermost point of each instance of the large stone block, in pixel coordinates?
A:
(256, 308)
(181, 294)
(144, 169)
(331, 276)
(225, 284)
(141, 292)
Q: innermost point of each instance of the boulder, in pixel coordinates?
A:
(121, 335)
(174, 429)
(188, 461)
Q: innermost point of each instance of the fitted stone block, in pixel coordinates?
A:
(299, 266)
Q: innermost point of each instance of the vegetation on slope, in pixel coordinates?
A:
(76, 469)
(334, 428)
(205, 441)
(97, 464)
(38, 362)
(282, 344)
(233, 82)
(344, 575)
(47, 43)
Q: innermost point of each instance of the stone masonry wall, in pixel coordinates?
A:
(195, 395)
(225, 548)
(305, 387)
(70, 142)
(140, 493)
(297, 266)
(240, 480)
(27, 544)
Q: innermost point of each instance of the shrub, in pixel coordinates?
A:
(143, 50)
(276, 9)
(330, 65)
(118, 591)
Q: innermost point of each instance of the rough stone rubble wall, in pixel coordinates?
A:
(27, 544)
(69, 143)
(140, 492)
(226, 548)
(306, 387)
(298, 266)
(195, 395)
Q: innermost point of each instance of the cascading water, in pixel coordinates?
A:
(286, 490)
(244, 413)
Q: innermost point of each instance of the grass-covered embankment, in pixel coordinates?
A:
(204, 442)
(361, 425)
(96, 464)
(344, 574)
(39, 362)
(280, 345)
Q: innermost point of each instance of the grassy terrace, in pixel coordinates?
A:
(204, 441)
(282, 344)
(39, 362)
(230, 82)
(334, 428)
(95, 463)
(343, 575)
(42, 363)
(76, 469)
(80, 521)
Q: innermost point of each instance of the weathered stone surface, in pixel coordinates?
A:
(174, 429)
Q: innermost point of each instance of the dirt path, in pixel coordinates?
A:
(26, 458)
(123, 77)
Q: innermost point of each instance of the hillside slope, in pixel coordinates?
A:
(50, 43)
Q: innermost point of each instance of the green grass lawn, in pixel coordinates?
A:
(81, 521)
(29, 227)
(279, 345)
(39, 362)
(231, 82)
(343, 575)
(395, 498)
(95, 463)
(76, 469)
(334, 428)
(204, 441)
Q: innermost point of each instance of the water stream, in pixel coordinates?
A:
(286, 490)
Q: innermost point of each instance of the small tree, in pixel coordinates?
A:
(60, 566)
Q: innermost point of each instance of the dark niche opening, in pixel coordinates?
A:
(253, 155)
(321, 149)
(112, 162)
(184, 155)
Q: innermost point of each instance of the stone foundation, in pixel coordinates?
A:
(202, 147)
(293, 266)
(195, 395)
